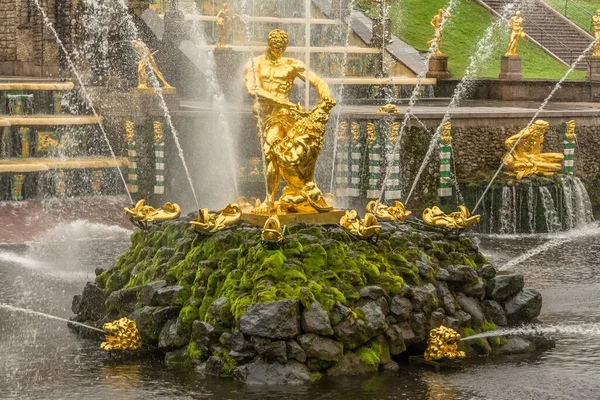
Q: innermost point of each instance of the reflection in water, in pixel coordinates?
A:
(42, 359)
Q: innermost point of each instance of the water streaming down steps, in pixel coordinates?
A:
(534, 206)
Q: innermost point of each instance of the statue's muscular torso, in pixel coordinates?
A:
(278, 77)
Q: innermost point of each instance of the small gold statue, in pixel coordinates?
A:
(247, 206)
(272, 232)
(121, 334)
(146, 61)
(363, 228)
(225, 19)
(461, 219)
(388, 109)
(210, 223)
(596, 24)
(292, 137)
(436, 23)
(527, 157)
(395, 213)
(570, 131)
(446, 134)
(516, 34)
(443, 343)
(142, 215)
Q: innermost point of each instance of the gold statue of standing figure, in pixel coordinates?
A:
(516, 34)
(146, 61)
(436, 23)
(596, 24)
(292, 138)
(225, 19)
(527, 158)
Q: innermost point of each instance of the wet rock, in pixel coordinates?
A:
(147, 292)
(219, 312)
(542, 342)
(524, 307)
(494, 312)
(259, 344)
(406, 291)
(150, 320)
(170, 296)
(419, 324)
(395, 339)
(474, 289)
(225, 339)
(351, 364)
(339, 312)
(461, 273)
(241, 357)
(422, 300)
(517, 345)
(320, 348)
(90, 304)
(371, 292)
(446, 299)
(239, 342)
(169, 337)
(275, 320)
(391, 368)
(383, 305)
(452, 322)
(503, 287)
(463, 317)
(259, 372)
(442, 274)
(353, 332)
(316, 320)
(401, 308)
(375, 317)
(294, 351)
(123, 300)
(486, 271)
(202, 332)
(407, 333)
(276, 352)
(437, 318)
(425, 271)
(473, 308)
(214, 365)
(177, 357)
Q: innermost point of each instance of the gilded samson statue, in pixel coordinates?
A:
(292, 137)
(527, 158)
(436, 23)
(596, 24)
(516, 34)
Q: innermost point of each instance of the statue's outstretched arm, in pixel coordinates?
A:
(319, 84)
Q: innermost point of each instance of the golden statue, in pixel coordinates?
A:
(388, 109)
(210, 223)
(516, 34)
(527, 157)
(461, 219)
(364, 228)
(596, 24)
(121, 334)
(292, 137)
(395, 213)
(446, 137)
(225, 19)
(443, 343)
(142, 215)
(146, 61)
(570, 131)
(247, 206)
(436, 23)
(272, 232)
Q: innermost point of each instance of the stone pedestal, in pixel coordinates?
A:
(510, 68)
(438, 67)
(225, 71)
(593, 72)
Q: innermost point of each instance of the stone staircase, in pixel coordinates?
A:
(558, 36)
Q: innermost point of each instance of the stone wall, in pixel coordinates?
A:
(8, 23)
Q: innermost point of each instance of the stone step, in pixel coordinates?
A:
(48, 120)
(32, 164)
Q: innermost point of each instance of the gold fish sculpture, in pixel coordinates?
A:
(121, 334)
(363, 228)
(461, 219)
(395, 213)
(210, 223)
(272, 232)
(443, 343)
(143, 215)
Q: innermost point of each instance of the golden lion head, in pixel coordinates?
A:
(121, 334)
(443, 343)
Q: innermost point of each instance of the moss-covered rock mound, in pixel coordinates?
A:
(323, 303)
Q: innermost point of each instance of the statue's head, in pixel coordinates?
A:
(539, 128)
(225, 6)
(518, 13)
(277, 43)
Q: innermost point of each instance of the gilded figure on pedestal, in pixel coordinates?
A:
(292, 137)
(516, 34)
(596, 24)
(436, 23)
(146, 61)
(225, 19)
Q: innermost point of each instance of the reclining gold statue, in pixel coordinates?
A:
(461, 219)
(395, 213)
(527, 158)
(210, 223)
(362, 228)
(142, 214)
(292, 137)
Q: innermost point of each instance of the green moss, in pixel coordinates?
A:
(194, 353)
(391, 283)
(188, 314)
(369, 355)
(488, 326)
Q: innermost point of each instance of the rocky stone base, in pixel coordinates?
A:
(323, 304)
